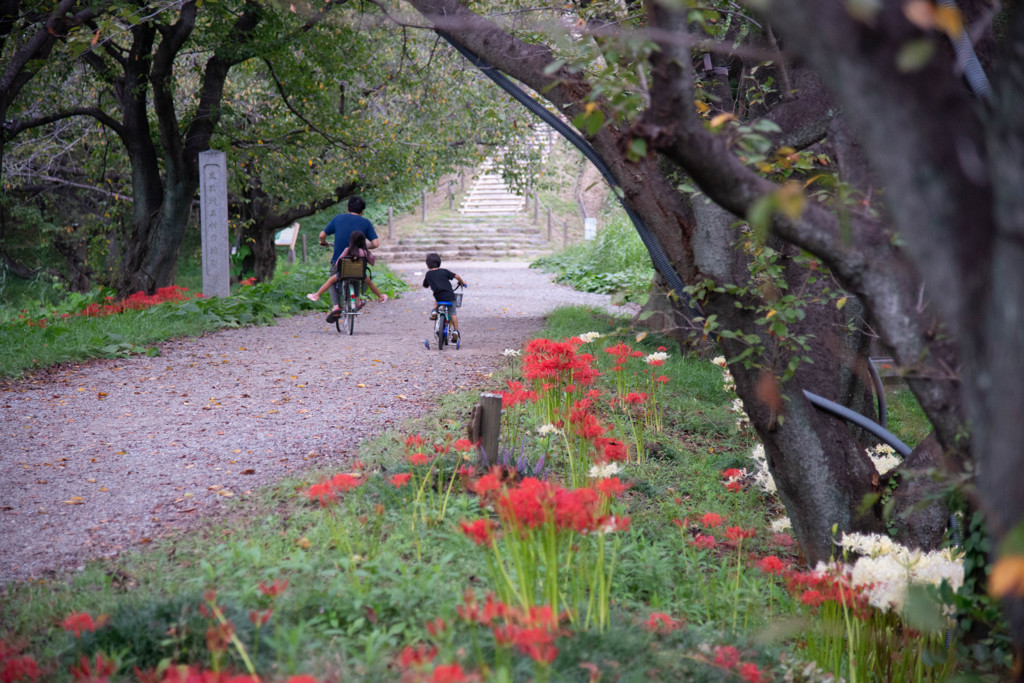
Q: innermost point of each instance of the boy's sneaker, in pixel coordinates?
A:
(455, 335)
(433, 315)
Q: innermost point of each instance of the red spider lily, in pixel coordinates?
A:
(635, 398)
(345, 482)
(400, 480)
(441, 449)
(663, 348)
(711, 519)
(218, 636)
(489, 482)
(465, 445)
(98, 671)
(816, 587)
(448, 673)
(419, 656)
(558, 361)
(419, 459)
(785, 540)
(467, 471)
(79, 622)
(704, 541)
(300, 678)
(611, 487)
(480, 530)
(190, 674)
(17, 669)
(726, 656)
(576, 508)
(659, 622)
(436, 627)
(260, 619)
(812, 598)
(733, 487)
(661, 379)
(414, 441)
(750, 673)
(321, 492)
(771, 565)
(621, 350)
(735, 533)
(248, 282)
(473, 612)
(733, 473)
(536, 643)
(611, 450)
(274, 589)
(656, 362)
(528, 505)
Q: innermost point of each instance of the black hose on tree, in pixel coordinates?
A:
(654, 248)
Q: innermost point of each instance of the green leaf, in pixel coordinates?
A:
(637, 149)
(915, 55)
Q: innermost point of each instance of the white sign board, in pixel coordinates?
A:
(589, 228)
(287, 237)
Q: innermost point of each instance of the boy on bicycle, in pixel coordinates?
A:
(439, 280)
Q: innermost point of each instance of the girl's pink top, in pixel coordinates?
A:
(361, 253)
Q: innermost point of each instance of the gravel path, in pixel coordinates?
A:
(104, 456)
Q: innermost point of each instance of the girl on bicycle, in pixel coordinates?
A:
(439, 280)
(356, 249)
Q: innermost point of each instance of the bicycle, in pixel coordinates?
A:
(351, 273)
(443, 329)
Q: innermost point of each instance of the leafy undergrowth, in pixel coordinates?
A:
(618, 534)
(97, 325)
(616, 262)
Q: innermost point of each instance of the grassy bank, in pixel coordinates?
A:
(646, 548)
(45, 330)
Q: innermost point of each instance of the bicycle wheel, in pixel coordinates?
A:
(351, 308)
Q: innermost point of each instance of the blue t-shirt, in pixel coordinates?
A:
(342, 226)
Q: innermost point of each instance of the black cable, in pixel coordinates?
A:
(654, 248)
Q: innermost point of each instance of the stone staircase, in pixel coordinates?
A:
(488, 193)
(470, 238)
(491, 223)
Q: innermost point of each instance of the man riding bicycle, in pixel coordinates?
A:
(342, 226)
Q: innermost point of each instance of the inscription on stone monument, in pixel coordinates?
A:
(213, 204)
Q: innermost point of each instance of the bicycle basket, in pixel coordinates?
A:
(349, 269)
(458, 299)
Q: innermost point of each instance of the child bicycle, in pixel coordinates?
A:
(443, 330)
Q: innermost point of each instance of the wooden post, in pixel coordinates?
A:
(424, 205)
(391, 223)
(536, 206)
(490, 425)
(462, 181)
(451, 196)
(549, 225)
(304, 253)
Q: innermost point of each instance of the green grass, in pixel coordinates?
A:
(365, 585)
(350, 616)
(27, 345)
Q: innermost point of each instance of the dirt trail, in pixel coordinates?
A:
(100, 457)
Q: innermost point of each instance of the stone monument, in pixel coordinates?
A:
(213, 205)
